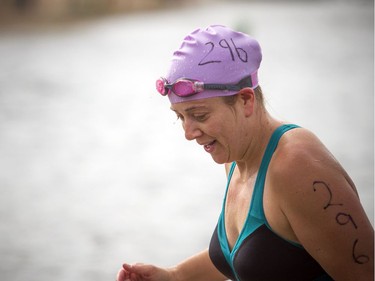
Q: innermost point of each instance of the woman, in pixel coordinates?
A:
(290, 211)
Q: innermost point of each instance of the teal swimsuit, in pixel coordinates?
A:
(259, 254)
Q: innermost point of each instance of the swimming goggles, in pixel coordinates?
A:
(185, 87)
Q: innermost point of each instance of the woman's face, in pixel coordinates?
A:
(215, 126)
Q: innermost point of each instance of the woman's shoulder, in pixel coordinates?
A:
(302, 158)
(302, 147)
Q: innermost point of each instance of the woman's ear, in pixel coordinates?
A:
(247, 98)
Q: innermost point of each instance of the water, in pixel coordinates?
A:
(94, 167)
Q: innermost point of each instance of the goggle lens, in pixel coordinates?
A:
(160, 86)
(184, 88)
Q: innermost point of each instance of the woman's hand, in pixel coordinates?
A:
(144, 272)
(196, 268)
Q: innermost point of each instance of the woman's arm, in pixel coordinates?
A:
(322, 207)
(196, 268)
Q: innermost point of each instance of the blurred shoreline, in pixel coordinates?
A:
(26, 13)
(43, 13)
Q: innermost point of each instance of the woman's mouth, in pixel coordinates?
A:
(210, 146)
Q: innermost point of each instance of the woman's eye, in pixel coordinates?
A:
(200, 117)
(180, 117)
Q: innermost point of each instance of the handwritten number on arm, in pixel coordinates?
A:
(329, 203)
(360, 259)
(342, 219)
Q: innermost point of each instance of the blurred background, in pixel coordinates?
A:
(94, 167)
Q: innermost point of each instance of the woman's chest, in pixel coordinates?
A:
(237, 206)
(240, 199)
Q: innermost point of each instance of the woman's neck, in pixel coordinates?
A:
(260, 134)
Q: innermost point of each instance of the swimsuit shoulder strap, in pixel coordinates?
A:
(232, 167)
(257, 200)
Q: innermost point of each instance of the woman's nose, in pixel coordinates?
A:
(192, 131)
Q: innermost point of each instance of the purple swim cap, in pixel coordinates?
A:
(216, 54)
